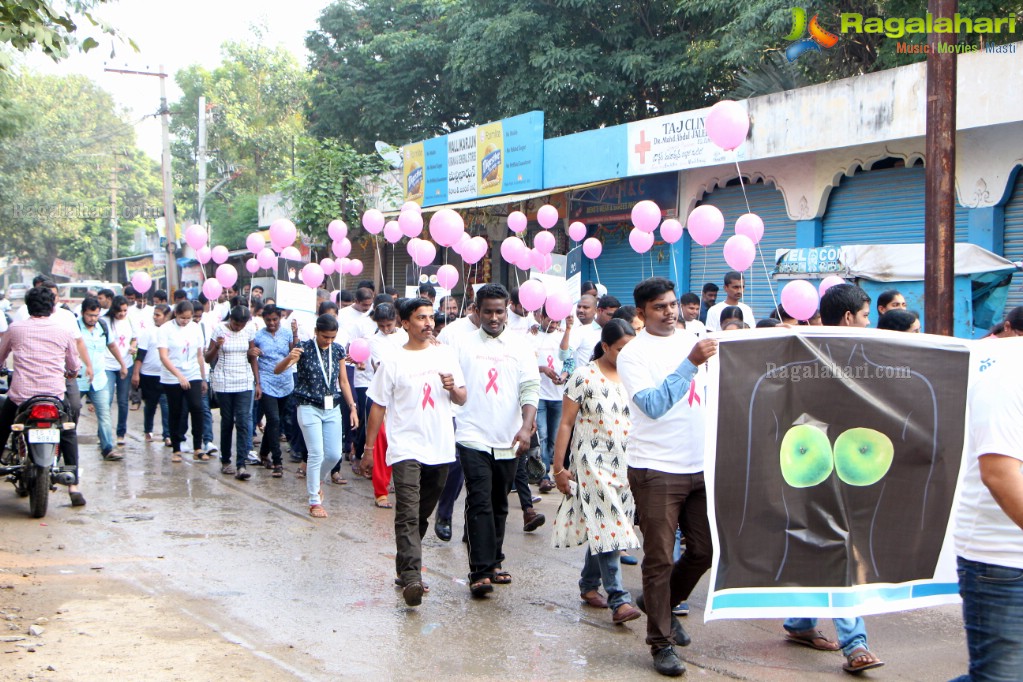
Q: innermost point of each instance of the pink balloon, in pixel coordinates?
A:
(727, 124)
(511, 249)
(558, 306)
(423, 253)
(337, 230)
(282, 233)
(461, 243)
(252, 266)
(411, 206)
(341, 248)
(532, 295)
(705, 224)
(203, 254)
(646, 216)
(195, 236)
(212, 289)
(739, 251)
(475, 250)
(266, 259)
(540, 262)
(593, 248)
(328, 266)
(227, 275)
(312, 275)
(220, 254)
(640, 241)
(547, 216)
(447, 276)
(446, 227)
(544, 242)
(373, 221)
(355, 267)
(341, 266)
(577, 231)
(799, 298)
(358, 350)
(141, 281)
(255, 242)
(291, 253)
(410, 246)
(827, 283)
(392, 232)
(525, 260)
(517, 221)
(751, 225)
(671, 230)
(411, 223)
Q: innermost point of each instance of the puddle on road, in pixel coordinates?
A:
(180, 535)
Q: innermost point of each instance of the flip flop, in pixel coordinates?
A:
(317, 511)
(814, 639)
(481, 588)
(869, 661)
(383, 503)
(337, 478)
(77, 499)
(501, 578)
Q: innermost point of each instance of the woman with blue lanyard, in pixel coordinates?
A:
(273, 343)
(319, 373)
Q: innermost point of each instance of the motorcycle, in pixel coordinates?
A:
(32, 462)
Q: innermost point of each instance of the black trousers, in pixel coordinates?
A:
(273, 409)
(487, 484)
(179, 401)
(417, 487)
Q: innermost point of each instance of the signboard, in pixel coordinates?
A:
(823, 261)
(416, 276)
(613, 203)
(146, 264)
(63, 268)
(292, 293)
(497, 158)
(274, 206)
(565, 274)
(675, 142)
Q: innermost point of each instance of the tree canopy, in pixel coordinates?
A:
(51, 27)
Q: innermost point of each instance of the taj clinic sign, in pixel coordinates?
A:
(675, 142)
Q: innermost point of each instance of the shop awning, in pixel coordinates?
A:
(507, 198)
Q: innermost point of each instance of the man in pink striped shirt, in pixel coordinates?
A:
(45, 355)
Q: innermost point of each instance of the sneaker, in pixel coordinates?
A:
(252, 458)
(243, 474)
(682, 609)
(537, 499)
(667, 662)
(228, 469)
(149, 436)
(211, 448)
(167, 442)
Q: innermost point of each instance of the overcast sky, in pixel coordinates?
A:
(177, 35)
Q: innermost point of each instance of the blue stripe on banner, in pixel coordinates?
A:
(759, 600)
(934, 589)
(842, 599)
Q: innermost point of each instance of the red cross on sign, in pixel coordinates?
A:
(642, 147)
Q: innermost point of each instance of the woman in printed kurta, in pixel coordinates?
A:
(598, 506)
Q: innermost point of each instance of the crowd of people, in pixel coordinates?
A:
(482, 396)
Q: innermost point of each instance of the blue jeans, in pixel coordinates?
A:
(207, 417)
(120, 389)
(604, 568)
(236, 414)
(852, 632)
(548, 416)
(321, 430)
(993, 616)
(101, 402)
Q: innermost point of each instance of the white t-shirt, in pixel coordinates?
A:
(380, 346)
(699, 330)
(352, 322)
(65, 317)
(713, 323)
(519, 323)
(148, 341)
(419, 415)
(674, 443)
(494, 368)
(142, 318)
(583, 340)
(547, 348)
(182, 344)
(983, 531)
(121, 334)
(462, 325)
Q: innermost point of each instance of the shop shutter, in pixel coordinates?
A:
(883, 206)
(708, 264)
(1014, 240)
(619, 268)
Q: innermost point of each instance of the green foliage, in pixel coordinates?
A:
(56, 169)
(231, 222)
(329, 185)
(50, 26)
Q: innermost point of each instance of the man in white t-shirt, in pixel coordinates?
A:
(585, 334)
(493, 428)
(660, 372)
(734, 287)
(414, 391)
(689, 315)
(989, 522)
(519, 319)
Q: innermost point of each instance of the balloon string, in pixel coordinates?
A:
(767, 274)
(674, 267)
(704, 277)
(596, 271)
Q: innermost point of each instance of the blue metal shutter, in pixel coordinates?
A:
(708, 264)
(619, 268)
(1014, 240)
(883, 206)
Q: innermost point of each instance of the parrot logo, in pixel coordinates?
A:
(819, 37)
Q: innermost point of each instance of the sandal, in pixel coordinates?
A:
(860, 659)
(167, 442)
(200, 456)
(337, 478)
(383, 503)
(301, 472)
(278, 472)
(814, 639)
(501, 578)
(176, 457)
(317, 511)
(481, 588)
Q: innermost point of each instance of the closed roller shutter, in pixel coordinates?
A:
(1014, 240)
(708, 264)
(881, 206)
(619, 268)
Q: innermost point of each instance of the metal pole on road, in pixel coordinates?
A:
(939, 192)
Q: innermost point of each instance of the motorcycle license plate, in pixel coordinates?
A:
(44, 436)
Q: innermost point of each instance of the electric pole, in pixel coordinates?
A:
(113, 209)
(200, 160)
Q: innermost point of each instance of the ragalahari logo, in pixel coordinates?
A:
(819, 37)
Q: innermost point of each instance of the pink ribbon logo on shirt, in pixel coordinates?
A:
(427, 389)
(492, 384)
(550, 362)
(120, 340)
(184, 351)
(693, 395)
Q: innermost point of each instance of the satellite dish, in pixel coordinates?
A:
(390, 153)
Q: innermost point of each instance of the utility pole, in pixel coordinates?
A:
(113, 210)
(200, 160)
(170, 230)
(939, 188)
